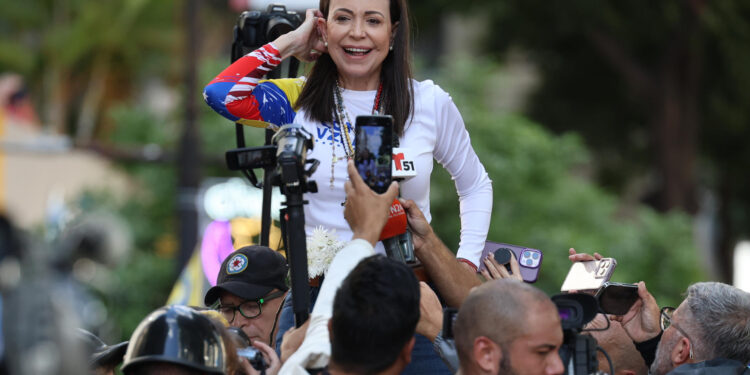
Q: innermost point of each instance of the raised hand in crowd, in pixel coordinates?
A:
(453, 278)
(422, 234)
(641, 322)
(430, 312)
(495, 270)
(366, 211)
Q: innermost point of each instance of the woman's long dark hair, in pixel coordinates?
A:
(316, 97)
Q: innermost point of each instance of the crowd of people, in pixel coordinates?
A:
(370, 307)
(371, 314)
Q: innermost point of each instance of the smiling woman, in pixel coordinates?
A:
(358, 41)
(362, 67)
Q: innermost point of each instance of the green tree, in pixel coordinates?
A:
(81, 56)
(657, 90)
(543, 200)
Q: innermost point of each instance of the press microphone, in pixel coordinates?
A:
(396, 237)
(403, 164)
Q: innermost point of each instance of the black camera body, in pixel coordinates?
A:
(578, 352)
(287, 156)
(253, 356)
(257, 28)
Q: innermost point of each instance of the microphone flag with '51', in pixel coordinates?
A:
(396, 237)
(402, 165)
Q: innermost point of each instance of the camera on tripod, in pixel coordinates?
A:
(578, 352)
(284, 155)
(257, 28)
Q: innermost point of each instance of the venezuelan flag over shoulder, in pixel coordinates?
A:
(237, 91)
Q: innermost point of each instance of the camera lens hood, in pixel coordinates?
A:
(576, 309)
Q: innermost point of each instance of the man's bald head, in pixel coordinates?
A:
(497, 310)
(615, 341)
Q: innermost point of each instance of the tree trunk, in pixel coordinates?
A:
(92, 99)
(189, 154)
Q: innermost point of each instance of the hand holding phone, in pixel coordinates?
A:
(528, 260)
(641, 322)
(501, 264)
(589, 276)
(373, 140)
(617, 298)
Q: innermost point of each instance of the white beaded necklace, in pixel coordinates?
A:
(340, 115)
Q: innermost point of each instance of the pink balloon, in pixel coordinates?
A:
(216, 246)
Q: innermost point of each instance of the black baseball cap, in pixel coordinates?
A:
(250, 273)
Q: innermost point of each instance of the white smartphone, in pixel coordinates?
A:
(589, 275)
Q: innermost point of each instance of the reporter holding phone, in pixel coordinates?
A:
(706, 334)
(362, 67)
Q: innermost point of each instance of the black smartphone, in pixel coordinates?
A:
(374, 150)
(617, 298)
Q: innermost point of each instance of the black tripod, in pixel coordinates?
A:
(288, 147)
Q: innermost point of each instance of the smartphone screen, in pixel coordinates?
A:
(616, 298)
(374, 149)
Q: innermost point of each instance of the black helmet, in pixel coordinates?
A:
(101, 354)
(179, 335)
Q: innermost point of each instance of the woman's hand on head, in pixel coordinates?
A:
(305, 42)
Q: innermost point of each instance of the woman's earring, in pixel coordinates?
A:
(325, 44)
(390, 48)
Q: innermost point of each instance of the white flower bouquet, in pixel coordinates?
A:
(322, 246)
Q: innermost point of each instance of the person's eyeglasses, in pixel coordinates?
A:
(248, 309)
(666, 322)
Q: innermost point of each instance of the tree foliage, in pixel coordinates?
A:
(543, 200)
(656, 89)
(81, 56)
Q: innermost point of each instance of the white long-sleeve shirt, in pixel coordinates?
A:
(435, 131)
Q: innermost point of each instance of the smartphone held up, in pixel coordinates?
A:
(592, 277)
(529, 260)
(589, 276)
(374, 149)
(617, 298)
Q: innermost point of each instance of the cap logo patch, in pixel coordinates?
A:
(237, 264)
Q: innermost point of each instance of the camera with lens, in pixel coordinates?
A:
(288, 154)
(578, 352)
(253, 355)
(257, 28)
